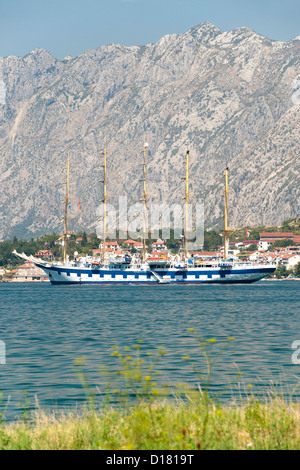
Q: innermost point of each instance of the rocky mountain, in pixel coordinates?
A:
(227, 96)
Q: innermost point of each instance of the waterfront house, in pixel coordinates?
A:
(28, 272)
(290, 260)
(109, 246)
(269, 238)
(44, 254)
(137, 246)
(130, 244)
(159, 245)
(112, 245)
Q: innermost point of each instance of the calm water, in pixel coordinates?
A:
(46, 328)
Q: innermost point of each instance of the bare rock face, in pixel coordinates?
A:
(227, 96)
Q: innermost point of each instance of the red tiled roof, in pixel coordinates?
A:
(273, 240)
(26, 265)
(276, 235)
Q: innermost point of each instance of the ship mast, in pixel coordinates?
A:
(66, 202)
(104, 201)
(186, 198)
(144, 201)
(226, 230)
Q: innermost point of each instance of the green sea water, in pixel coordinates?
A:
(46, 328)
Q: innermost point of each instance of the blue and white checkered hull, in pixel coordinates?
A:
(192, 275)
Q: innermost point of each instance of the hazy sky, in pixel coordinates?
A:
(70, 27)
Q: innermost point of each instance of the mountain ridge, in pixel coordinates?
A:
(203, 27)
(220, 93)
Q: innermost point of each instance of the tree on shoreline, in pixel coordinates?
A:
(297, 270)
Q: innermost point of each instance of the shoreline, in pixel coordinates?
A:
(6, 281)
(282, 279)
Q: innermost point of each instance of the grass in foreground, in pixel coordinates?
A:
(196, 422)
(162, 426)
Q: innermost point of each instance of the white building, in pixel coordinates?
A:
(290, 261)
(269, 238)
(159, 245)
(28, 272)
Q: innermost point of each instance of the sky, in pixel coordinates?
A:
(70, 27)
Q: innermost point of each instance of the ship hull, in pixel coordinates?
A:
(69, 275)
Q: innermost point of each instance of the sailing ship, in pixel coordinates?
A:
(136, 269)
